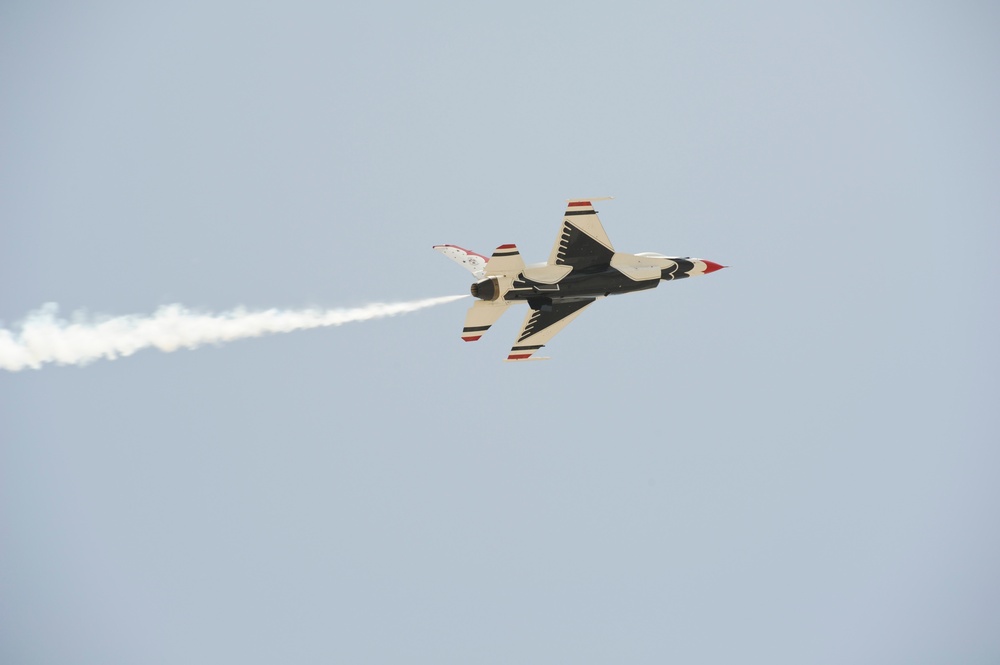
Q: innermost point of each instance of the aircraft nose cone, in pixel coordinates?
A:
(712, 266)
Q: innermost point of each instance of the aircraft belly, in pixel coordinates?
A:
(577, 285)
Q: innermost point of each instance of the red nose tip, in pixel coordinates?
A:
(711, 266)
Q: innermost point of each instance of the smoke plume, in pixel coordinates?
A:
(44, 338)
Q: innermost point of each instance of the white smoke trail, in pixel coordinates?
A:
(43, 338)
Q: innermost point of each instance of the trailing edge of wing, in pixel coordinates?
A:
(541, 325)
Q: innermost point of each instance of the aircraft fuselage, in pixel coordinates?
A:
(625, 274)
(592, 282)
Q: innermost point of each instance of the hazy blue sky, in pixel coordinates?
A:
(790, 461)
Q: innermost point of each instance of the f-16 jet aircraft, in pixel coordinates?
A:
(582, 267)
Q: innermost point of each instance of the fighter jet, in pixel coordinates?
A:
(582, 267)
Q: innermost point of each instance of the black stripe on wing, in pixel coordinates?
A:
(551, 314)
(579, 250)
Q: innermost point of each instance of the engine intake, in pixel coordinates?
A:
(488, 289)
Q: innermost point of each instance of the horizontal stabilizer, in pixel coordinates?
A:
(506, 260)
(480, 317)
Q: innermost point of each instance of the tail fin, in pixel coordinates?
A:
(506, 260)
(480, 317)
(474, 263)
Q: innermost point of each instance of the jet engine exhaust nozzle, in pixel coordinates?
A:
(488, 289)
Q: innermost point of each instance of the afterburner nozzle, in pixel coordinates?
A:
(487, 289)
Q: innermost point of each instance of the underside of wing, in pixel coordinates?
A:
(480, 317)
(506, 260)
(541, 325)
(582, 242)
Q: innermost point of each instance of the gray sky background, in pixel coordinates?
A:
(790, 461)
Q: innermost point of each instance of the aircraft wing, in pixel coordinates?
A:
(582, 242)
(541, 325)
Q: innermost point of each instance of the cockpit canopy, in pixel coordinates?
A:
(654, 255)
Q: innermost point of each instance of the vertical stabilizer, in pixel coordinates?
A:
(474, 263)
